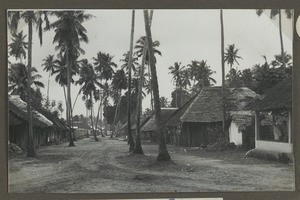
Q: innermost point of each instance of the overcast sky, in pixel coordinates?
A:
(184, 35)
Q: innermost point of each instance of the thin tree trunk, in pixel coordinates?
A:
(223, 74)
(97, 118)
(176, 93)
(117, 108)
(92, 121)
(130, 138)
(76, 99)
(30, 145)
(47, 104)
(163, 154)
(281, 40)
(71, 143)
(86, 122)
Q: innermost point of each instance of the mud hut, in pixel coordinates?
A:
(18, 124)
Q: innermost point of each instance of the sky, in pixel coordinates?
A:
(184, 35)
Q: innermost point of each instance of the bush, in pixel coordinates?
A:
(271, 156)
(220, 145)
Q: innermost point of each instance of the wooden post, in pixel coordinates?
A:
(290, 126)
(256, 125)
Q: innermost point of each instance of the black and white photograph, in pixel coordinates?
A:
(150, 101)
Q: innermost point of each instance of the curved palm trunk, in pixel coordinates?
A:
(130, 138)
(98, 112)
(93, 128)
(223, 75)
(48, 89)
(281, 40)
(163, 154)
(117, 108)
(71, 142)
(30, 145)
(86, 121)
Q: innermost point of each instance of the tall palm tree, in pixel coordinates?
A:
(69, 32)
(130, 64)
(176, 72)
(105, 68)
(32, 18)
(125, 61)
(119, 83)
(164, 102)
(88, 81)
(17, 48)
(142, 50)
(163, 154)
(273, 14)
(231, 55)
(223, 74)
(186, 78)
(50, 64)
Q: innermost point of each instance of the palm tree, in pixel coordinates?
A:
(273, 14)
(60, 107)
(203, 75)
(119, 83)
(50, 65)
(105, 68)
(130, 64)
(223, 74)
(69, 32)
(163, 154)
(125, 61)
(18, 80)
(176, 71)
(32, 18)
(17, 47)
(164, 102)
(88, 81)
(186, 78)
(142, 50)
(231, 55)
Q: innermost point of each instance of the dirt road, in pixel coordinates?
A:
(106, 166)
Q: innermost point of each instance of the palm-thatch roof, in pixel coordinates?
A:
(150, 125)
(207, 106)
(174, 119)
(18, 110)
(278, 97)
(57, 123)
(143, 121)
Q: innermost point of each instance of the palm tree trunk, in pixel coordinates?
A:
(176, 93)
(92, 121)
(163, 154)
(30, 145)
(71, 143)
(281, 40)
(117, 108)
(48, 90)
(86, 122)
(223, 74)
(130, 138)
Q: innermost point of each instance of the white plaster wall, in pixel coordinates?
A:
(274, 146)
(234, 135)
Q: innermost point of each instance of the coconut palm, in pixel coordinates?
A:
(231, 55)
(88, 81)
(17, 48)
(176, 72)
(164, 102)
(130, 64)
(18, 80)
(125, 61)
(119, 83)
(163, 154)
(223, 73)
(69, 33)
(273, 14)
(49, 66)
(186, 78)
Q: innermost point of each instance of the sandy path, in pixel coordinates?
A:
(106, 166)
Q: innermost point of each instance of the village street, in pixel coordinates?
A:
(106, 166)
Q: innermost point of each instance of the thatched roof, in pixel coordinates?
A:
(18, 109)
(174, 119)
(207, 106)
(278, 97)
(143, 121)
(150, 125)
(57, 123)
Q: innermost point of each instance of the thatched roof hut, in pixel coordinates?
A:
(174, 119)
(278, 97)
(57, 123)
(18, 113)
(143, 121)
(207, 106)
(150, 125)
